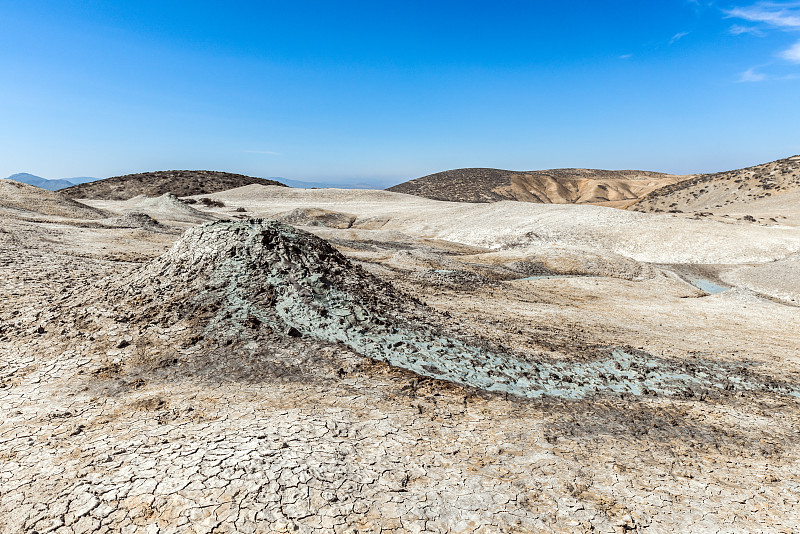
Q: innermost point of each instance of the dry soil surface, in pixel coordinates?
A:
(23, 200)
(245, 376)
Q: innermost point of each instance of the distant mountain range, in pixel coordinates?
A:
(50, 185)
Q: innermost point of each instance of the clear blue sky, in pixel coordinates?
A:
(391, 90)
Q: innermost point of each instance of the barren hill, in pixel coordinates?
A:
(554, 186)
(768, 189)
(157, 183)
(24, 199)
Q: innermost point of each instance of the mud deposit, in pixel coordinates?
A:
(262, 274)
(250, 376)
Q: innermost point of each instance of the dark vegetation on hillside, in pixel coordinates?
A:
(157, 183)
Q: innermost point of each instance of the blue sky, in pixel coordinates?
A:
(386, 91)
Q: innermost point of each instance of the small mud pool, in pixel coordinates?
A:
(708, 286)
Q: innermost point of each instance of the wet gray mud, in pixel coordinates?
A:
(708, 286)
(236, 277)
(703, 277)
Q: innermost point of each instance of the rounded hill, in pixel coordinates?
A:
(554, 186)
(154, 184)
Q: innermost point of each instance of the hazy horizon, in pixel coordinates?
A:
(366, 183)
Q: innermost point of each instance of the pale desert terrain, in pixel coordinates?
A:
(391, 363)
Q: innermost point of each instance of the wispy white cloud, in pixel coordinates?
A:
(264, 152)
(626, 56)
(736, 29)
(765, 16)
(678, 36)
(784, 15)
(698, 5)
(792, 54)
(750, 75)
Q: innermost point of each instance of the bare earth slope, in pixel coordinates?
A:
(403, 369)
(228, 384)
(153, 184)
(23, 198)
(659, 238)
(555, 186)
(770, 189)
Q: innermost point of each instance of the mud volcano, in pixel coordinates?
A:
(263, 274)
(237, 277)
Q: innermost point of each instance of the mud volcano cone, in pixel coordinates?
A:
(234, 278)
(261, 273)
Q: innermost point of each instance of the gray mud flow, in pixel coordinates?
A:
(235, 277)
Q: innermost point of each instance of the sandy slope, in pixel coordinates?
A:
(20, 198)
(779, 279)
(166, 207)
(780, 209)
(614, 188)
(659, 238)
(767, 191)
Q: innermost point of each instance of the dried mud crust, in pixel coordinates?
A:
(374, 447)
(136, 219)
(91, 441)
(317, 217)
(366, 454)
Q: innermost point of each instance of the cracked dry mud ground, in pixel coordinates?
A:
(104, 432)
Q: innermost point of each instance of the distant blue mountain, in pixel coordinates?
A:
(81, 180)
(38, 181)
(50, 185)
